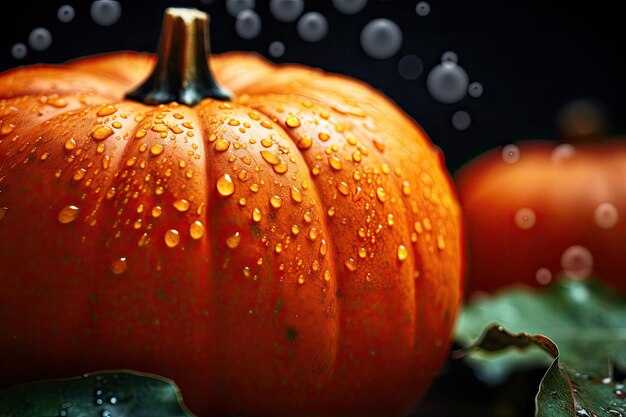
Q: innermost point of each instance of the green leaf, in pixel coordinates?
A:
(102, 394)
(585, 318)
(564, 391)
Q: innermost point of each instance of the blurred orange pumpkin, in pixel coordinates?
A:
(538, 210)
(294, 251)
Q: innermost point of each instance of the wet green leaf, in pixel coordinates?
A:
(103, 394)
(585, 318)
(564, 391)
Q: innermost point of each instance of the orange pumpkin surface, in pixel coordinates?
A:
(294, 251)
(540, 210)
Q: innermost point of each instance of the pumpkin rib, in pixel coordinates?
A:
(333, 254)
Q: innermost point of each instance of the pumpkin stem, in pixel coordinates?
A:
(182, 72)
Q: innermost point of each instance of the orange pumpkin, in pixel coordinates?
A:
(294, 250)
(538, 210)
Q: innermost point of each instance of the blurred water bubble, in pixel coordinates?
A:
(475, 89)
(248, 24)
(606, 215)
(422, 9)
(510, 154)
(18, 51)
(105, 12)
(543, 276)
(410, 67)
(234, 7)
(577, 262)
(349, 6)
(276, 48)
(66, 13)
(450, 56)
(286, 10)
(381, 38)
(582, 118)
(40, 39)
(312, 27)
(461, 120)
(525, 218)
(447, 82)
(562, 153)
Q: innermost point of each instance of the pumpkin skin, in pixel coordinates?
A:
(567, 188)
(265, 317)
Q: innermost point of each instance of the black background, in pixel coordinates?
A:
(532, 57)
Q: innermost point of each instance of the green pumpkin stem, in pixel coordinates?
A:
(182, 72)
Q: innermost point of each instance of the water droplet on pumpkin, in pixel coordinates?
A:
(323, 248)
(233, 240)
(248, 24)
(350, 264)
(156, 211)
(276, 201)
(256, 215)
(343, 188)
(331, 211)
(40, 39)
(510, 154)
(278, 248)
(68, 214)
(172, 238)
(296, 195)
(65, 13)
(577, 262)
(606, 215)
(156, 149)
(441, 242)
(221, 145)
(119, 266)
(196, 230)
(181, 205)
(543, 276)
(105, 12)
(422, 9)
(525, 218)
(225, 186)
(293, 121)
(312, 27)
(3, 212)
(403, 253)
(270, 157)
(280, 168)
(334, 162)
(381, 38)
(313, 233)
(362, 252)
(70, 144)
(106, 110)
(101, 133)
(381, 194)
(327, 275)
(295, 229)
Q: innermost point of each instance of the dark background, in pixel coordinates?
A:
(532, 58)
